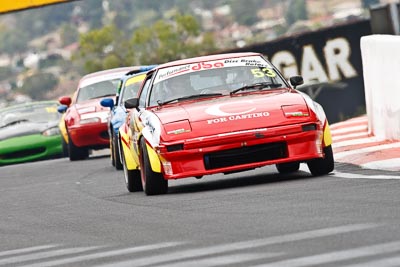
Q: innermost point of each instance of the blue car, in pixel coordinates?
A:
(128, 88)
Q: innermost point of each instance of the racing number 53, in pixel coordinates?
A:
(259, 73)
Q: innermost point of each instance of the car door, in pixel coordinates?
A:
(136, 123)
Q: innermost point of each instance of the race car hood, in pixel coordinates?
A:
(92, 105)
(24, 129)
(237, 112)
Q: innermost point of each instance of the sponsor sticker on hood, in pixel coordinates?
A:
(232, 111)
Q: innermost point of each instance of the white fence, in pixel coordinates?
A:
(381, 67)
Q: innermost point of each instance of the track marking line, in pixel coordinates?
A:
(355, 142)
(341, 155)
(25, 250)
(350, 136)
(105, 254)
(229, 248)
(387, 164)
(45, 254)
(222, 260)
(336, 256)
(353, 121)
(387, 262)
(338, 174)
(359, 128)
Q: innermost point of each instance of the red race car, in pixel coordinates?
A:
(220, 114)
(86, 121)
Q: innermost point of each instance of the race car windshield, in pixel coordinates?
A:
(97, 90)
(33, 113)
(224, 77)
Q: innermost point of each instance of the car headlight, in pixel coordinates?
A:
(89, 120)
(295, 111)
(52, 131)
(178, 127)
(86, 110)
(95, 117)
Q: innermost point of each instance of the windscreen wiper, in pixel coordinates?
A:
(103, 96)
(257, 86)
(187, 98)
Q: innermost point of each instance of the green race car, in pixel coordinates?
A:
(29, 132)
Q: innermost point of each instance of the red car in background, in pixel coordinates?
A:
(86, 121)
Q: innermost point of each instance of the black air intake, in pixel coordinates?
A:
(244, 155)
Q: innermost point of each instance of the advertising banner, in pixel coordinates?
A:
(330, 62)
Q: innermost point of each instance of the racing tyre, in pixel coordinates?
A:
(76, 153)
(64, 147)
(288, 167)
(112, 152)
(132, 179)
(153, 182)
(115, 153)
(324, 165)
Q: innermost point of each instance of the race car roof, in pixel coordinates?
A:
(111, 74)
(207, 58)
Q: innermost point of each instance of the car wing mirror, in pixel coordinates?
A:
(296, 81)
(62, 108)
(131, 103)
(107, 102)
(65, 100)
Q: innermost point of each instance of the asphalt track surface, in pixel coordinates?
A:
(62, 213)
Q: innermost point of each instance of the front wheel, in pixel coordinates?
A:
(323, 165)
(132, 178)
(115, 153)
(153, 182)
(76, 153)
(112, 154)
(64, 147)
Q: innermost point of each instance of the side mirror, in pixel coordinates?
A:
(107, 102)
(296, 80)
(65, 100)
(62, 108)
(131, 103)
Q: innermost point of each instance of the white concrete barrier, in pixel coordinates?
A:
(381, 67)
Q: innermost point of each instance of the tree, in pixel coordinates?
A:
(38, 85)
(13, 42)
(69, 34)
(5, 73)
(50, 61)
(103, 48)
(90, 11)
(41, 21)
(244, 11)
(297, 10)
(163, 41)
(170, 40)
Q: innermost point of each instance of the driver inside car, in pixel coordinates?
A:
(178, 86)
(240, 79)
